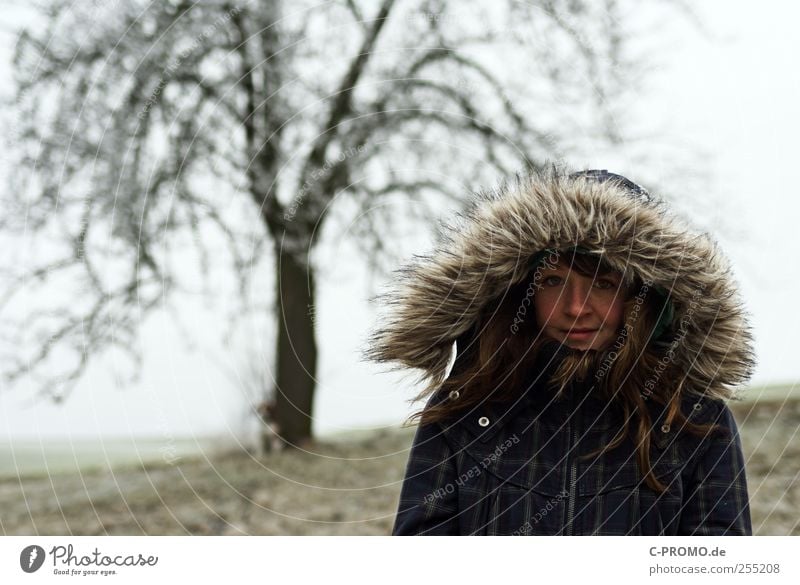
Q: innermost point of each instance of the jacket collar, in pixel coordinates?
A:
(539, 400)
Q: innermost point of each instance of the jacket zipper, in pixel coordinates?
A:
(573, 477)
(572, 435)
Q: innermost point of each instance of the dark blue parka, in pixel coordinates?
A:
(517, 467)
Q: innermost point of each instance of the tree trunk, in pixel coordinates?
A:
(297, 350)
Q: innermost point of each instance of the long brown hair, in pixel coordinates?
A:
(495, 363)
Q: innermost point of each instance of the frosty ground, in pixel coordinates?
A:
(338, 486)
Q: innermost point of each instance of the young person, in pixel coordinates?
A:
(579, 344)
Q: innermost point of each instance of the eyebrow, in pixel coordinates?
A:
(552, 268)
(612, 275)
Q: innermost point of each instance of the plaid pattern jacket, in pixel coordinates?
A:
(516, 469)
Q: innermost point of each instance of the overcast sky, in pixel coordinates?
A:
(735, 96)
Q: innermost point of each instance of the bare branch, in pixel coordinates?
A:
(196, 120)
(342, 104)
(351, 5)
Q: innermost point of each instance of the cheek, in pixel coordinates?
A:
(614, 314)
(543, 308)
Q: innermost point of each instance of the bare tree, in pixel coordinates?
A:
(253, 126)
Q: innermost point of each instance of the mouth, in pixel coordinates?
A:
(580, 334)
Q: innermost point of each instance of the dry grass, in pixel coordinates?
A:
(771, 444)
(342, 487)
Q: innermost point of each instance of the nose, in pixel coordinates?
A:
(575, 299)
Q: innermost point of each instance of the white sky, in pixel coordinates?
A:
(737, 99)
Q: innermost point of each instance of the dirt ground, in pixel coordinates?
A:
(340, 487)
(771, 443)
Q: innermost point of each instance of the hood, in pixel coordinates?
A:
(494, 244)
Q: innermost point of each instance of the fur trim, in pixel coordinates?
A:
(437, 298)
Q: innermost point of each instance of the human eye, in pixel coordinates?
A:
(605, 283)
(551, 280)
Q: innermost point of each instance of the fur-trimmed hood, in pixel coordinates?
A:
(439, 297)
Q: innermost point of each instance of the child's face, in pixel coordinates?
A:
(581, 312)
